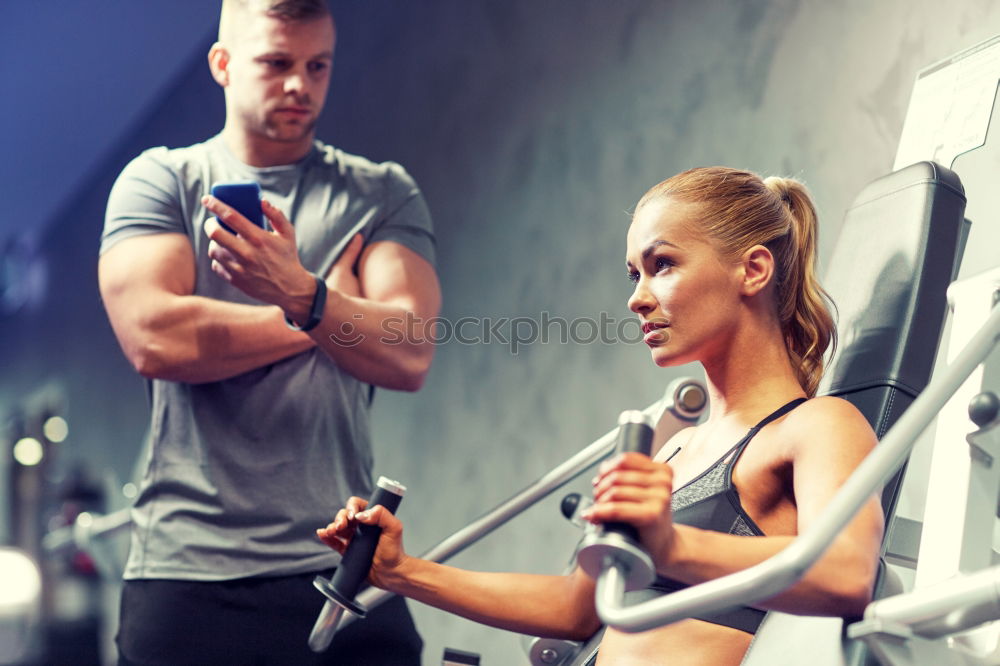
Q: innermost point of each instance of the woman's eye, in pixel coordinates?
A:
(663, 263)
(633, 276)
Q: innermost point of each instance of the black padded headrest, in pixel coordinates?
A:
(895, 257)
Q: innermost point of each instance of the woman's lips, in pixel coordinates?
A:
(655, 332)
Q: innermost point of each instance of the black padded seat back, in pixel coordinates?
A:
(898, 250)
(896, 254)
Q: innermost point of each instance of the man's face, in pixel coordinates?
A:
(278, 74)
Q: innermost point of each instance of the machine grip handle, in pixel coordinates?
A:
(357, 560)
(635, 435)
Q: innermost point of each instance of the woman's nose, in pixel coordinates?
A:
(640, 300)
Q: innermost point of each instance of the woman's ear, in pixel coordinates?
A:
(758, 270)
(218, 62)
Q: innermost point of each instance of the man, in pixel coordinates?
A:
(261, 348)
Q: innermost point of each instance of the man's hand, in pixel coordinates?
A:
(263, 264)
(370, 289)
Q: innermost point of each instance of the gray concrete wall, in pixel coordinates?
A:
(533, 127)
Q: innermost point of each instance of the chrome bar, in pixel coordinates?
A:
(942, 609)
(325, 627)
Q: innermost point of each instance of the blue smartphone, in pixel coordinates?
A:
(244, 197)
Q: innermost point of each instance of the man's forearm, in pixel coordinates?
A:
(196, 339)
(378, 343)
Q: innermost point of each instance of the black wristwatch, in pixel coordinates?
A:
(316, 311)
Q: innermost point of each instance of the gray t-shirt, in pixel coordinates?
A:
(242, 471)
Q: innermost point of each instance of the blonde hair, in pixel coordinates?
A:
(742, 210)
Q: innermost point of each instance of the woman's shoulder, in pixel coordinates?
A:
(828, 419)
(827, 406)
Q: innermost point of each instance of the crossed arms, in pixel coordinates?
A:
(168, 332)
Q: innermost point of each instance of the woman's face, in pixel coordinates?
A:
(687, 295)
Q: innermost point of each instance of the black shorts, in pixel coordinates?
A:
(253, 621)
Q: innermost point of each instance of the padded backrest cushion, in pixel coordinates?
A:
(887, 277)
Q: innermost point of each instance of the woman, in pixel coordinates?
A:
(723, 266)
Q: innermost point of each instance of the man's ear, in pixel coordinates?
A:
(758, 269)
(218, 62)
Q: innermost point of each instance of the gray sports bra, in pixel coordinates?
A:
(711, 502)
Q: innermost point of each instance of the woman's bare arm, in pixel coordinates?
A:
(552, 606)
(827, 439)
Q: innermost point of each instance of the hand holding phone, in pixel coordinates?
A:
(244, 197)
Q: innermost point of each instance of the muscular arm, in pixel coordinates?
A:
(379, 336)
(147, 283)
(828, 438)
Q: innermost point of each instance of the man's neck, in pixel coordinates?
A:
(262, 152)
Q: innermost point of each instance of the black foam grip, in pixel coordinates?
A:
(357, 560)
(632, 438)
(635, 438)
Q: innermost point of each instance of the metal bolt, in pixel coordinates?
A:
(548, 656)
(692, 397)
(984, 408)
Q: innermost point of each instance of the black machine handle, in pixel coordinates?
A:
(635, 435)
(617, 544)
(357, 559)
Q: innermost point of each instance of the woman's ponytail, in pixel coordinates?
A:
(802, 302)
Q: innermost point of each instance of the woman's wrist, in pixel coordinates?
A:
(399, 578)
(669, 554)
